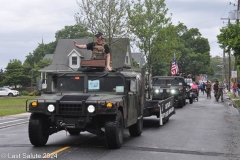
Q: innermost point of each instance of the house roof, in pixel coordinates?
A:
(139, 58)
(60, 60)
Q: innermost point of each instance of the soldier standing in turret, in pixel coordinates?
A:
(100, 50)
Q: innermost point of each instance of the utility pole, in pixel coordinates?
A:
(229, 61)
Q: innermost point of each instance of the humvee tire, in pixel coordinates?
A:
(114, 131)
(73, 132)
(180, 102)
(37, 128)
(136, 129)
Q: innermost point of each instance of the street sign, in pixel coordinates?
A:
(234, 74)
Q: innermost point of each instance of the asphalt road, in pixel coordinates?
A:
(204, 130)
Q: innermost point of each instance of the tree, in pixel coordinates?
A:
(229, 39)
(107, 16)
(13, 73)
(154, 34)
(194, 52)
(72, 32)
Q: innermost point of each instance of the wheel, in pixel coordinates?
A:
(10, 94)
(136, 129)
(37, 127)
(180, 103)
(73, 132)
(191, 100)
(114, 131)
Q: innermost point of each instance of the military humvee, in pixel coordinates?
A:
(93, 100)
(164, 87)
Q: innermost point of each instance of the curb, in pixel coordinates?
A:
(17, 115)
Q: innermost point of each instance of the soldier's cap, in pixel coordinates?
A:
(98, 34)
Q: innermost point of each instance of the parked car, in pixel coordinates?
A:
(8, 92)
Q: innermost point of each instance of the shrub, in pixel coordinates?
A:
(24, 93)
(35, 93)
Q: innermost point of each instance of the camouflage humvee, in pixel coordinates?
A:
(94, 100)
(164, 87)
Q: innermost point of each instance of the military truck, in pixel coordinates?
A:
(158, 105)
(93, 100)
(164, 87)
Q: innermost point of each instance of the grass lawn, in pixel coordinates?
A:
(13, 105)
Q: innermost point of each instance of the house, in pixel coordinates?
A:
(67, 57)
(140, 58)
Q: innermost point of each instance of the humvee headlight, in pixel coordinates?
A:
(173, 91)
(157, 91)
(109, 105)
(91, 108)
(168, 90)
(34, 104)
(161, 90)
(51, 108)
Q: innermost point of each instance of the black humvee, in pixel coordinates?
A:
(93, 100)
(164, 87)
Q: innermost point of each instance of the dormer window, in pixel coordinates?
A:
(74, 60)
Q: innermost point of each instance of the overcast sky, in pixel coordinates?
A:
(25, 22)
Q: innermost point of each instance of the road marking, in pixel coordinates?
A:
(13, 125)
(11, 121)
(56, 152)
(53, 154)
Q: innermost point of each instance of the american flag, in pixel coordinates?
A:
(174, 68)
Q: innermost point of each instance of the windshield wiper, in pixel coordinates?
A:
(99, 77)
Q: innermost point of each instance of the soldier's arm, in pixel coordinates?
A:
(84, 46)
(108, 61)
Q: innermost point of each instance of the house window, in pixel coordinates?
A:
(126, 59)
(74, 60)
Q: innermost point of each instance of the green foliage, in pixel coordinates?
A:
(72, 32)
(24, 93)
(194, 52)
(13, 74)
(106, 16)
(217, 64)
(135, 64)
(229, 38)
(153, 32)
(161, 68)
(13, 105)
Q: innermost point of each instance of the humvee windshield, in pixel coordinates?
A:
(105, 84)
(167, 82)
(73, 83)
(94, 84)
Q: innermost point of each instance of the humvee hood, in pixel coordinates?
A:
(80, 97)
(105, 97)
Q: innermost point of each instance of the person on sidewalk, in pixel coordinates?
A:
(234, 89)
(238, 89)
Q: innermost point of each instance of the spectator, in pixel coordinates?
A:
(234, 89)
(238, 88)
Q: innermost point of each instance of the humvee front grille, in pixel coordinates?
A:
(73, 109)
